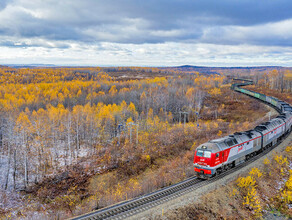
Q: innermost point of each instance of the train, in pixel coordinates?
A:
(219, 155)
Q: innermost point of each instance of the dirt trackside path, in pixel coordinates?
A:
(195, 195)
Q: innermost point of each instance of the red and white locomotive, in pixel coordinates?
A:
(218, 155)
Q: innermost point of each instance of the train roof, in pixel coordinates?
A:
(248, 133)
(288, 109)
(235, 139)
(282, 116)
(274, 98)
(282, 102)
(209, 146)
(219, 139)
(237, 135)
(269, 125)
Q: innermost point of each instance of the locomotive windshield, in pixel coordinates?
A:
(204, 153)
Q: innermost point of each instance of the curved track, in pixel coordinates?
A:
(140, 204)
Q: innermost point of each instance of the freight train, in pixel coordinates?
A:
(219, 155)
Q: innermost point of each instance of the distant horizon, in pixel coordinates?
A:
(187, 65)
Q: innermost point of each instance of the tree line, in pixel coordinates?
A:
(48, 121)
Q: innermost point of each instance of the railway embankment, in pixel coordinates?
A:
(209, 201)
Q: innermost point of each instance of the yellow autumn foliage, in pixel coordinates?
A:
(245, 182)
(255, 172)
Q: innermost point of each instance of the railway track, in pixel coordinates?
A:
(134, 206)
(129, 208)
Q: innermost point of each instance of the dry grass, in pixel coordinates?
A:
(228, 202)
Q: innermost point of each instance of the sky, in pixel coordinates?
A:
(146, 32)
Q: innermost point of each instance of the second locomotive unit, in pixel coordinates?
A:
(221, 154)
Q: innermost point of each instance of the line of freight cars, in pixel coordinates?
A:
(281, 106)
(217, 156)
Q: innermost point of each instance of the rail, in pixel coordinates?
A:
(131, 207)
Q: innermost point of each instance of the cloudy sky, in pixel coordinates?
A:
(146, 32)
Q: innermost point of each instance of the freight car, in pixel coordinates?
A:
(219, 155)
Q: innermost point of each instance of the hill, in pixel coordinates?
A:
(228, 70)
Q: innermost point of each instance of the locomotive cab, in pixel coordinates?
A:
(206, 155)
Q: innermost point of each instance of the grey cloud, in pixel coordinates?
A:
(138, 22)
(270, 34)
(34, 43)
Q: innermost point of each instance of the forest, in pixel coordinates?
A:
(76, 139)
(262, 191)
